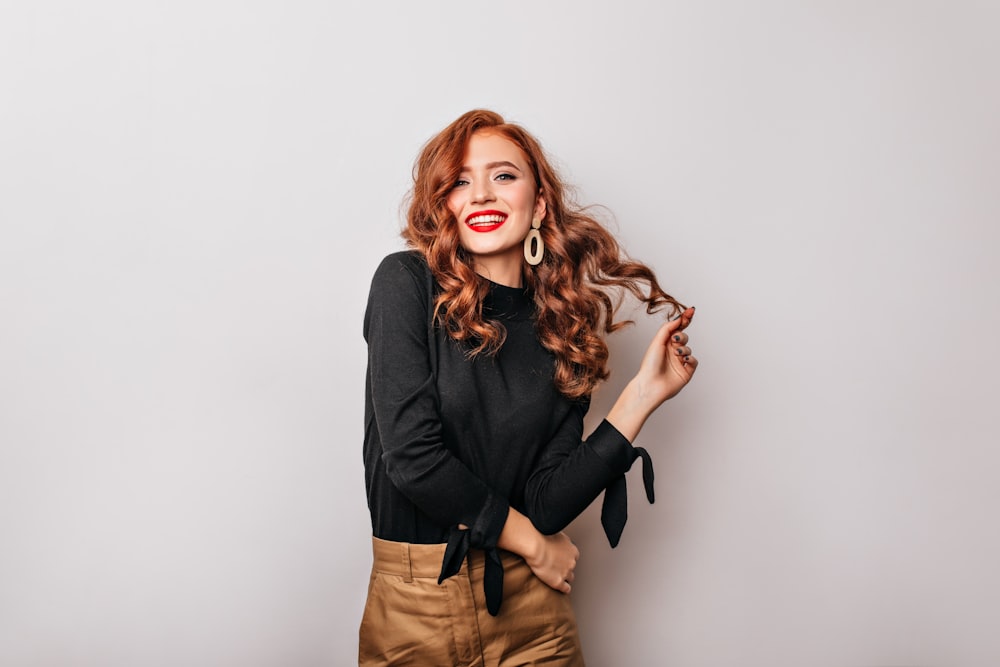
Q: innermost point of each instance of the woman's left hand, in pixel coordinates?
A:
(666, 368)
(668, 364)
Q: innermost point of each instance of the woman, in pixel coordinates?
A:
(485, 343)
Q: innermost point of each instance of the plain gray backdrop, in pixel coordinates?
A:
(194, 195)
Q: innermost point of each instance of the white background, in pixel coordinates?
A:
(193, 197)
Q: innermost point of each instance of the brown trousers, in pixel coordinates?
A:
(411, 620)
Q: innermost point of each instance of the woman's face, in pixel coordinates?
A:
(494, 201)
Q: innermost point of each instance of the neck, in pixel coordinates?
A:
(501, 271)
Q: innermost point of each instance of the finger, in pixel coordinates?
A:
(682, 351)
(663, 335)
(566, 588)
(679, 338)
(685, 318)
(691, 363)
(680, 322)
(570, 577)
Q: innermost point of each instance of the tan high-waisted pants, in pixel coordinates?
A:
(411, 620)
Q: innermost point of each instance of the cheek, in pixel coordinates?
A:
(454, 206)
(527, 199)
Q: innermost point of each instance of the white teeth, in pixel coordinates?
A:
(486, 219)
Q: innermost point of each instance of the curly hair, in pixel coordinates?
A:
(578, 286)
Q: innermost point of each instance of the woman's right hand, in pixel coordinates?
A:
(555, 561)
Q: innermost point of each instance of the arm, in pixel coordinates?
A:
(405, 402)
(666, 368)
(570, 475)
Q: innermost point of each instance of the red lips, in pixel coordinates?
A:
(485, 221)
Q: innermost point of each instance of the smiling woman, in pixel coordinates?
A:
(496, 200)
(485, 341)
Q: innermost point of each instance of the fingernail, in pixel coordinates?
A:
(677, 338)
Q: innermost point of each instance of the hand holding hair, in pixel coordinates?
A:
(666, 368)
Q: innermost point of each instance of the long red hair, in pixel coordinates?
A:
(578, 285)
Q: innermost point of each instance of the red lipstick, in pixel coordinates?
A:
(485, 221)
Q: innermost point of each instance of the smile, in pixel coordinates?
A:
(485, 221)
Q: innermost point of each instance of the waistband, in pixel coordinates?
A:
(424, 560)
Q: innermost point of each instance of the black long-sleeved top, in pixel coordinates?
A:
(454, 440)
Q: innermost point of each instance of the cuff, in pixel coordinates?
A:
(483, 535)
(613, 447)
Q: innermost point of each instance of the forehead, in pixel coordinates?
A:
(485, 147)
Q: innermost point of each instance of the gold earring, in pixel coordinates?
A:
(533, 252)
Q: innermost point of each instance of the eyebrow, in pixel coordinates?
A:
(494, 165)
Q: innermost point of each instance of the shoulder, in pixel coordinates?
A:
(399, 268)
(411, 259)
(401, 279)
(401, 294)
(404, 261)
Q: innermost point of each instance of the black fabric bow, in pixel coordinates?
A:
(614, 510)
(454, 556)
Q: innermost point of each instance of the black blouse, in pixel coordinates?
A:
(454, 440)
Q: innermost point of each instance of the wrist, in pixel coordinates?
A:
(520, 536)
(631, 410)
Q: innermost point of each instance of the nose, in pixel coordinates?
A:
(482, 191)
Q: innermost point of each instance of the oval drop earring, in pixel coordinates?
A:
(533, 252)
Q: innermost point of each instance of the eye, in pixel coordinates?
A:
(505, 176)
(460, 182)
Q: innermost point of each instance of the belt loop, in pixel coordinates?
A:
(407, 570)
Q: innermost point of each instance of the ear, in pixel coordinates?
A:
(540, 206)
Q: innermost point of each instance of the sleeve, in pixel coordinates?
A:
(406, 406)
(570, 474)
